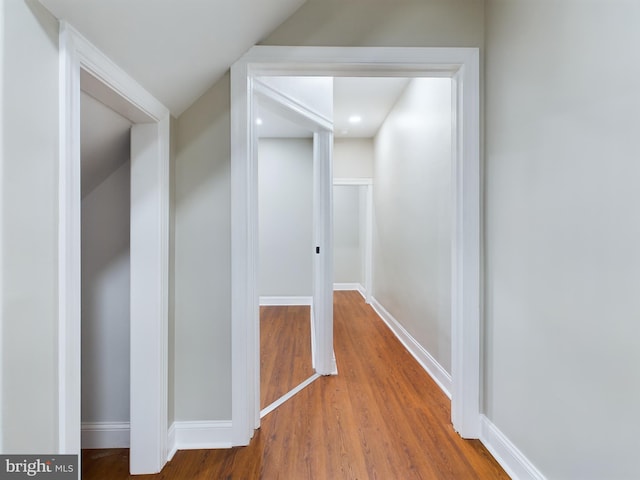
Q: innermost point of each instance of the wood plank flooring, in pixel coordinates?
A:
(285, 350)
(382, 418)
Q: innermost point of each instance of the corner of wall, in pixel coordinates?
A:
(28, 179)
(173, 127)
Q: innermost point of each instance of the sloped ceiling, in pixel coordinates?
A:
(104, 142)
(176, 49)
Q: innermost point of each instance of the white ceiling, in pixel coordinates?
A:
(176, 49)
(370, 98)
(105, 134)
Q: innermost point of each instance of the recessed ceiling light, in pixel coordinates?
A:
(355, 119)
(344, 132)
(258, 121)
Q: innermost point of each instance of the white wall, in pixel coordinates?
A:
(352, 158)
(202, 305)
(412, 215)
(285, 196)
(348, 241)
(285, 200)
(29, 162)
(425, 23)
(105, 299)
(562, 233)
(202, 209)
(202, 314)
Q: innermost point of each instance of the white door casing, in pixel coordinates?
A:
(459, 64)
(324, 361)
(82, 63)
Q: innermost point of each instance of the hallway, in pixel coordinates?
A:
(381, 417)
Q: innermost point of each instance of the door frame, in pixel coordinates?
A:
(459, 64)
(83, 66)
(367, 184)
(279, 102)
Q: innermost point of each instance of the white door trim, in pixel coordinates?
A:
(324, 361)
(149, 279)
(460, 64)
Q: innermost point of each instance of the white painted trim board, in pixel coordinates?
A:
(195, 435)
(105, 434)
(286, 301)
(323, 259)
(347, 287)
(171, 442)
(506, 453)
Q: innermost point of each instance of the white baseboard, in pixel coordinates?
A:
(181, 435)
(424, 358)
(197, 435)
(313, 341)
(171, 442)
(334, 365)
(105, 435)
(349, 286)
(506, 453)
(285, 301)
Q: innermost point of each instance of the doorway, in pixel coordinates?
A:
(353, 259)
(285, 177)
(459, 64)
(293, 167)
(105, 299)
(83, 67)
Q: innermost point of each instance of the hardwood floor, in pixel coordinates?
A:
(382, 418)
(285, 351)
